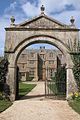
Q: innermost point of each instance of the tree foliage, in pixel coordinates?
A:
(3, 69)
(76, 69)
(3, 72)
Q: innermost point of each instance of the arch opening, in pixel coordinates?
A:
(49, 61)
(41, 40)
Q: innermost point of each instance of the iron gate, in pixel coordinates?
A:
(55, 89)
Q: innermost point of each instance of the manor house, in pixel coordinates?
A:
(39, 64)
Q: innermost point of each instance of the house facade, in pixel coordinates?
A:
(39, 64)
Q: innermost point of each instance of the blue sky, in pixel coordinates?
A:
(61, 10)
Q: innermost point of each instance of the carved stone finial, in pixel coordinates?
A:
(72, 20)
(42, 9)
(12, 20)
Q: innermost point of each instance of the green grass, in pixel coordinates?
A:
(4, 104)
(25, 88)
(75, 104)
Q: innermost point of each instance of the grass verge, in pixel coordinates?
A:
(4, 104)
(75, 104)
(25, 88)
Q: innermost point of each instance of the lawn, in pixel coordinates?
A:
(4, 104)
(25, 88)
(75, 104)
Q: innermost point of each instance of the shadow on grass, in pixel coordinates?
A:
(4, 104)
(75, 104)
(25, 89)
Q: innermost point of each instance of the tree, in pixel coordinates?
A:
(3, 69)
(3, 72)
(76, 69)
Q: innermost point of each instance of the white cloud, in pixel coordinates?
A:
(76, 3)
(22, 1)
(11, 8)
(3, 24)
(59, 5)
(30, 9)
(62, 17)
(13, 5)
(54, 6)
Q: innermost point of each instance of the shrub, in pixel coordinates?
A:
(76, 69)
(3, 72)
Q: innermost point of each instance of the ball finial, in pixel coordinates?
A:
(72, 20)
(12, 20)
(42, 9)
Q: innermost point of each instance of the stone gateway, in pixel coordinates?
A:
(40, 29)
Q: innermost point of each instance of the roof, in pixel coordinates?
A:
(39, 17)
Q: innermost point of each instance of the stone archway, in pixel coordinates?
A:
(71, 84)
(41, 29)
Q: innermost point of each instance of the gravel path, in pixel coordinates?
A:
(38, 108)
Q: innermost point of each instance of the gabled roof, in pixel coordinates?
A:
(40, 17)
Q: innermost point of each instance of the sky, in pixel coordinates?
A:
(61, 10)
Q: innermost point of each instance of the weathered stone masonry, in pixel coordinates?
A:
(41, 29)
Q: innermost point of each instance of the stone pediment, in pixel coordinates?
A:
(42, 21)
